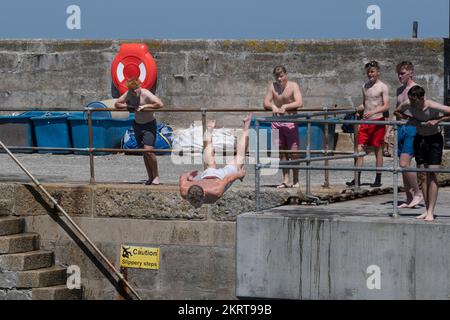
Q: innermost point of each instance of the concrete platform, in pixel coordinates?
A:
(349, 250)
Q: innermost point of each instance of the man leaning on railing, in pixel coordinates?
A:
(138, 99)
(426, 114)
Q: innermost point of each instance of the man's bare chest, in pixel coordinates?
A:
(373, 93)
(286, 95)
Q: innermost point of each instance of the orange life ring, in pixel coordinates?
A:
(133, 60)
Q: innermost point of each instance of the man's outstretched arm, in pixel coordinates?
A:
(232, 177)
(184, 184)
(155, 103)
(120, 102)
(268, 103)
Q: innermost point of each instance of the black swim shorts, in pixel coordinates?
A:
(428, 149)
(145, 133)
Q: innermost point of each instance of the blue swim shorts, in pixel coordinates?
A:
(405, 140)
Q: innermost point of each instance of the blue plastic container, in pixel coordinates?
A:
(106, 133)
(97, 114)
(17, 131)
(265, 135)
(33, 113)
(52, 130)
(317, 137)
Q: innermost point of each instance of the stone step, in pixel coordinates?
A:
(11, 225)
(21, 242)
(14, 294)
(5, 207)
(60, 292)
(8, 279)
(44, 277)
(26, 260)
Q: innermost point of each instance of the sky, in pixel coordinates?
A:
(226, 19)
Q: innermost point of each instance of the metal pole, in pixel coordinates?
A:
(415, 29)
(368, 169)
(72, 222)
(308, 156)
(355, 142)
(175, 109)
(91, 153)
(395, 173)
(122, 286)
(297, 117)
(257, 171)
(349, 156)
(204, 132)
(326, 183)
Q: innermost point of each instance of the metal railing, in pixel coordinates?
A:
(91, 150)
(110, 265)
(291, 164)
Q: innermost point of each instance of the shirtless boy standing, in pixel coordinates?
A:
(405, 137)
(428, 143)
(283, 97)
(375, 101)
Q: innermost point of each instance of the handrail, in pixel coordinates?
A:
(72, 222)
(120, 150)
(291, 164)
(304, 115)
(176, 109)
(313, 111)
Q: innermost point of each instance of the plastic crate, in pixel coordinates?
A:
(265, 136)
(52, 130)
(106, 133)
(317, 137)
(17, 131)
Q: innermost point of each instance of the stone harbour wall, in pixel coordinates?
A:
(211, 73)
(197, 246)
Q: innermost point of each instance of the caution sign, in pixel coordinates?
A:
(139, 257)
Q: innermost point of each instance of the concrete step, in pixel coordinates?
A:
(26, 260)
(5, 207)
(44, 277)
(11, 225)
(14, 294)
(60, 292)
(21, 242)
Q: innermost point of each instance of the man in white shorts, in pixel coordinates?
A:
(212, 183)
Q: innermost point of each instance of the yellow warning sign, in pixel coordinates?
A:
(139, 257)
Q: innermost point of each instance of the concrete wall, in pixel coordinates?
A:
(197, 259)
(207, 73)
(324, 254)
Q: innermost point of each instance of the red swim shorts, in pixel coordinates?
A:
(371, 134)
(287, 135)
